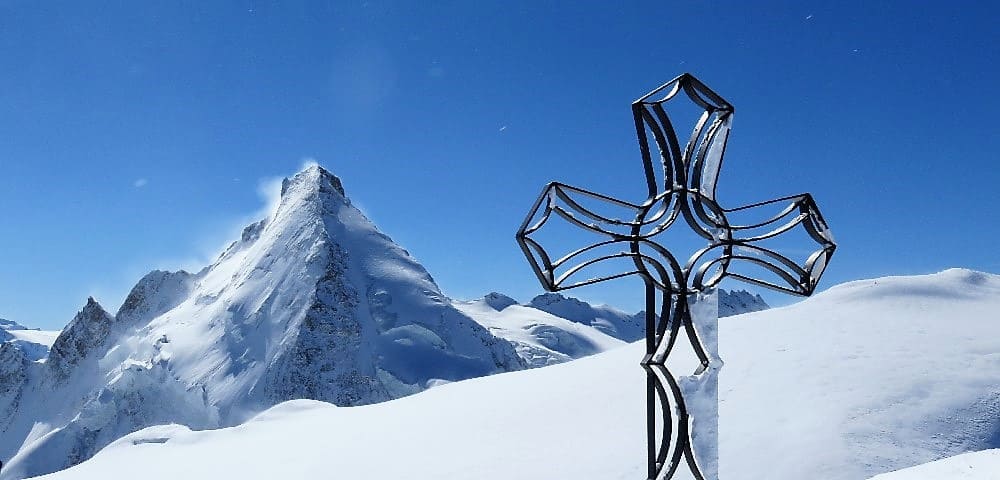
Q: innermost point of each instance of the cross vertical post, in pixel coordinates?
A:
(681, 183)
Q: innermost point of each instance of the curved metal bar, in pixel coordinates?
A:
(794, 281)
(792, 207)
(593, 227)
(666, 436)
(694, 145)
(569, 256)
(676, 88)
(702, 89)
(693, 337)
(560, 192)
(697, 202)
(705, 146)
(692, 221)
(777, 231)
(675, 266)
(667, 142)
(526, 230)
(595, 195)
(671, 317)
(683, 427)
(647, 159)
(543, 271)
(570, 272)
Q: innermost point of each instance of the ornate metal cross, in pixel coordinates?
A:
(680, 184)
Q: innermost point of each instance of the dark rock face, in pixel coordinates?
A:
(322, 363)
(88, 331)
(155, 294)
(13, 376)
(736, 302)
(499, 301)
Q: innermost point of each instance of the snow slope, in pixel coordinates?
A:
(984, 465)
(611, 321)
(540, 338)
(865, 378)
(33, 342)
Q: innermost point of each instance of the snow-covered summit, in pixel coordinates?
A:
(89, 330)
(11, 325)
(610, 320)
(311, 302)
(498, 301)
(33, 343)
(736, 302)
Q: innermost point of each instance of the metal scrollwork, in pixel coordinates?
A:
(681, 182)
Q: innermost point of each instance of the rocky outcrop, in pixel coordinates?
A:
(88, 331)
(154, 294)
(736, 302)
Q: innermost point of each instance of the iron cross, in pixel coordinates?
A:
(681, 185)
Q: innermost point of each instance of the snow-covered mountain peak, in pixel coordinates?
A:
(550, 298)
(33, 343)
(313, 179)
(498, 301)
(11, 325)
(607, 319)
(88, 331)
(154, 294)
(735, 302)
(311, 302)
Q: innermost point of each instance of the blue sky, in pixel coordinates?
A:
(137, 135)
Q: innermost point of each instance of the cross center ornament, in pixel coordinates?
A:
(681, 413)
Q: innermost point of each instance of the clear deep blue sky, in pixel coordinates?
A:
(136, 135)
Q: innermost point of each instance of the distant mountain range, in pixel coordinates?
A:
(864, 378)
(313, 302)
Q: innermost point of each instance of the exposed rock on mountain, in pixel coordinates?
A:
(498, 301)
(88, 331)
(14, 367)
(155, 294)
(736, 302)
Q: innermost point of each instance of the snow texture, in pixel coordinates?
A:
(540, 338)
(609, 320)
(866, 378)
(34, 343)
(984, 465)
